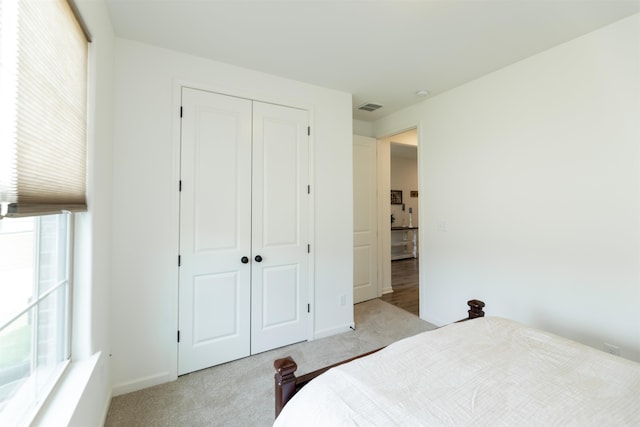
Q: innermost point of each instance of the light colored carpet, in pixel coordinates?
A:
(240, 393)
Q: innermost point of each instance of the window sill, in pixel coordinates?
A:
(81, 395)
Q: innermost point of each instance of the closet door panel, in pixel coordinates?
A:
(277, 281)
(215, 230)
(218, 182)
(280, 232)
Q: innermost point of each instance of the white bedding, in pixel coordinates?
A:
(484, 372)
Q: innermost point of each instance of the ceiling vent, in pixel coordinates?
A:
(369, 106)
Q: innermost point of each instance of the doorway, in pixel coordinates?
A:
(404, 230)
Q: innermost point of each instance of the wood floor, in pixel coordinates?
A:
(404, 281)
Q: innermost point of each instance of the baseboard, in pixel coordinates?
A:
(334, 331)
(387, 290)
(142, 383)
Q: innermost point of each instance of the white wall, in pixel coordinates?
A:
(82, 398)
(362, 128)
(145, 209)
(535, 169)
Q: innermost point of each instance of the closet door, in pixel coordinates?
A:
(215, 230)
(280, 232)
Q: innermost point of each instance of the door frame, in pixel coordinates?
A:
(384, 209)
(172, 310)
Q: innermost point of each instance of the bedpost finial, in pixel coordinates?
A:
(475, 308)
(285, 366)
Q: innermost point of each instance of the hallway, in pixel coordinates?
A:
(404, 281)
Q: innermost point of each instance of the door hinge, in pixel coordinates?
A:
(181, 111)
(308, 308)
(178, 336)
(308, 189)
(308, 248)
(180, 185)
(179, 260)
(308, 130)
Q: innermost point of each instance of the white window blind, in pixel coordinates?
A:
(43, 78)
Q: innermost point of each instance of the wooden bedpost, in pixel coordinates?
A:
(475, 308)
(285, 381)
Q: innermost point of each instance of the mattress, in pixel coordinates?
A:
(485, 372)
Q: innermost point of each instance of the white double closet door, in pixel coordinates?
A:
(244, 213)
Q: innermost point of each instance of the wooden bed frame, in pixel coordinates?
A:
(287, 384)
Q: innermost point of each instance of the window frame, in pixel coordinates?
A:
(24, 406)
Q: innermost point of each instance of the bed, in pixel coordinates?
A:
(486, 371)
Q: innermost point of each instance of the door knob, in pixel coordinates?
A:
(258, 258)
(244, 260)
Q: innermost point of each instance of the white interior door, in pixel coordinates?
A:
(280, 226)
(365, 220)
(215, 230)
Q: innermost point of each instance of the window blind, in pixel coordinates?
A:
(43, 84)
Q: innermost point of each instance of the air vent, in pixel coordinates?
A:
(369, 106)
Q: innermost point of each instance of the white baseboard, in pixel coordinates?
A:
(142, 383)
(334, 331)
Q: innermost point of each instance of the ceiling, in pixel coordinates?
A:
(404, 144)
(404, 151)
(379, 51)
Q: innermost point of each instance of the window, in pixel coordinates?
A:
(43, 85)
(34, 311)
